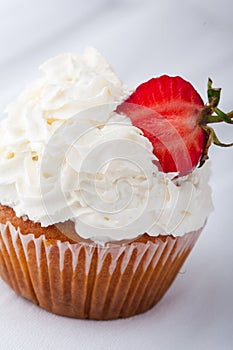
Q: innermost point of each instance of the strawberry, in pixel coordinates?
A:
(172, 115)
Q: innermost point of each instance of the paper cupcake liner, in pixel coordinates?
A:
(91, 281)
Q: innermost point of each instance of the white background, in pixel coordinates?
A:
(140, 39)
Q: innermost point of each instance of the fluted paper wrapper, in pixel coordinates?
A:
(90, 281)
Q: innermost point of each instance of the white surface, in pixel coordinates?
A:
(140, 39)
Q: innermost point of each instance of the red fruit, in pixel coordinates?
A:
(173, 117)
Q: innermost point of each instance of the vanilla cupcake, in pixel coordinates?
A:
(90, 226)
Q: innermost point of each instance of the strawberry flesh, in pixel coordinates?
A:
(167, 110)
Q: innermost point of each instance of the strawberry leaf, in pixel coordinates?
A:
(217, 142)
(226, 118)
(213, 94)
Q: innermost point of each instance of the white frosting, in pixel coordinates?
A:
(65, 154)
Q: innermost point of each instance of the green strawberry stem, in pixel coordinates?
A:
(212, 114)
(208, 115)
(218, 119)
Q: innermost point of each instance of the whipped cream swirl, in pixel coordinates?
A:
(65, 154)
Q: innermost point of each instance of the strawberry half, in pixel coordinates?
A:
(173, 117)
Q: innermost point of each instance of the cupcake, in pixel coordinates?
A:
(101, 196)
